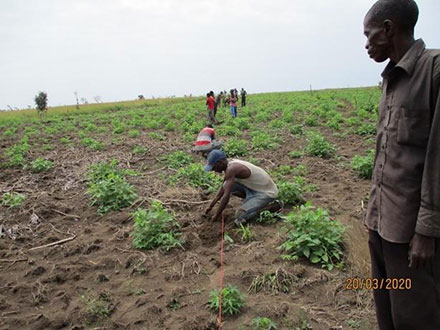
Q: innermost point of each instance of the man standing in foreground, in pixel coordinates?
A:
(403, 215)
(246, 181)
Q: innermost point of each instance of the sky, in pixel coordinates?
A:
(119, 49)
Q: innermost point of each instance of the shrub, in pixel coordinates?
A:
(319, 146)
(40, 164)
(178, 159)
(232, 300)
(363, 165)
(155, 227)
(313, 235)
(195, 176)
(12, 199)
(263, 323)
(236, 147)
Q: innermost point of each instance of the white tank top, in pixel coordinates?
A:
(258, 181)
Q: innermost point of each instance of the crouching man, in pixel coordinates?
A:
(246, 181)
(206, 141)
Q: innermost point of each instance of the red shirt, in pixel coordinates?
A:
(210, 101)
(205, 136)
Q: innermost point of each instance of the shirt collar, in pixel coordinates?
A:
(408, 61)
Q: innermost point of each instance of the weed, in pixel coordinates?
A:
(268, 217)
(313, 235)
(245, 233)
(12, 199)
(319, 146)
(236, 147)
(363, 165)
(174, 304)
(276, 281)
(155, 227)
(97, 307)
(40, 165)
(139, 150)
(263, 323)
(232, 300)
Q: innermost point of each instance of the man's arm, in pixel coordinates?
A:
(428, 221)
(227, 188)
(215, 200)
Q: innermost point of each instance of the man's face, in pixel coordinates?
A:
(219, 166)
(378, 43)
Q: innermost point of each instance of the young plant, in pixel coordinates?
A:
(236, 147)
(261, 140)
(139, 150)
(178, 159)
(263, 323)
(267, 217)
(195, 176)
(155, 227)
(290, 192)
(232, 300)
(97, 307)
(245, 233)
(319, 146)
(40, 164)
(313, 235)
(12, 199)
(363, 165)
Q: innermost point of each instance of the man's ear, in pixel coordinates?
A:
(388, 27)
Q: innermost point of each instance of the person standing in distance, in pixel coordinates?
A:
(403, 215)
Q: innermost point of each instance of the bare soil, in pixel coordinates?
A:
(48, 288)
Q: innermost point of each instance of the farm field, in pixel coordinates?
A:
(91, 177)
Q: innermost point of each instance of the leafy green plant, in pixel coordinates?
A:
(40, 164)
(296, 154)
(263, 323)
(290, 192)
(92, 143)
(319, 146)
(16, 153)
(366, 129)
(232, 300)
(195, 176)
(236, 147)
(313, 235)
(133, 133)
(155, 227)
(261, 140)
(297, 129)
(268, 217)
(139, 150)
(245, 233)
(97, 307)
(12, 199)
(10, 131)
(108, 187)
(156, 136)
(363, 165)
(178, 159)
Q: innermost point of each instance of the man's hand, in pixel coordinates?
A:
(421, 251)
(207, 210)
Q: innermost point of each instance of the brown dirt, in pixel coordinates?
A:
(47, 288)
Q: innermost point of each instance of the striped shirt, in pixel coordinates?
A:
(205, 136)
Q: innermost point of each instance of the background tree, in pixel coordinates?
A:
(77, 101)
(41, 102)
(97, 99)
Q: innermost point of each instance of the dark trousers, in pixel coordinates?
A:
(413, 309)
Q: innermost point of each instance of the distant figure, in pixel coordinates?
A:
(243, 97)
(210, 105)
(403, 214)
(218, 101)
(244, 180)
(233, 103)
(206, 141)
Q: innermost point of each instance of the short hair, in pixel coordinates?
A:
(404, 13)
(209, 125)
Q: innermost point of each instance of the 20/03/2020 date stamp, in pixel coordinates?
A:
(368, 283)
